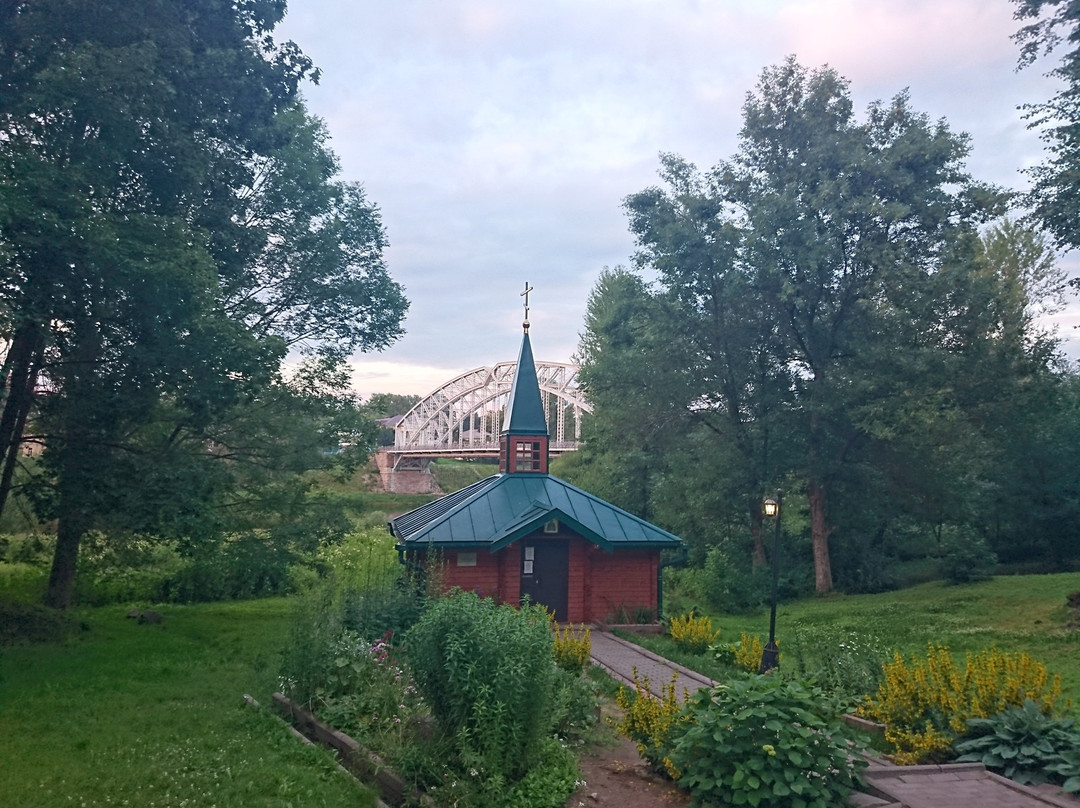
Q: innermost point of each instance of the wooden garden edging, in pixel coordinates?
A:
(362, 763)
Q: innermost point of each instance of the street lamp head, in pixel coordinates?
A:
(771, 507)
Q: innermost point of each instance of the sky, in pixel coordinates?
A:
(500, 137)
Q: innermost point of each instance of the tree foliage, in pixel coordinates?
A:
(1053, 26)
(170, 226)
(830, 312)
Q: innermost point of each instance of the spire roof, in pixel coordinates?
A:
(525, 410)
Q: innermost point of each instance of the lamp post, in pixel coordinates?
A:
(770, 657)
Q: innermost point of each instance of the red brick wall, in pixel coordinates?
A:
(624, 578)
(599, 582)
(483, 578)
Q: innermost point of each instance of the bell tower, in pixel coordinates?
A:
(523, 444)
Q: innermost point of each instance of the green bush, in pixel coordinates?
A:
(965, 556)
(34, 549)
(362, 559)
(1026, 745)
(243, 565)
(32, 623)
(367, 694)
(548, 782)
(380, 614)
(486, 671)
(768, 742)
(22, 583)
(125, 568)
(574, 705)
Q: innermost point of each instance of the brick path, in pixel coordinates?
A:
(956, 785)
(619, 658)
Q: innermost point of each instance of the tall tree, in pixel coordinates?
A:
(734, 358)
(169, 226)
(824, 292)
(847, 223)
(1055, 193)
(631, 372)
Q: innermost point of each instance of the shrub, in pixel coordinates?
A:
(630, 615)
(1026, 745)
(765, 741)
(363, 559)
(366, 693)
(693, 632)
(965, 556)
(926, 704)
(747, 652)
(575, 700)
(649, 721)
(486, 672)
(724, 652)
(572, 647)
(242, 565)
(32, 622)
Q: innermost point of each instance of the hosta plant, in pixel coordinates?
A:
(767, 742)
(1026, 745)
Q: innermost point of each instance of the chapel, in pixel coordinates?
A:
(525, 533)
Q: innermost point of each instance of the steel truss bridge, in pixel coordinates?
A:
(464, 417)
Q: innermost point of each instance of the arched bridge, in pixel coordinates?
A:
(464, 417)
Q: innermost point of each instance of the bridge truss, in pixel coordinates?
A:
(464, 417)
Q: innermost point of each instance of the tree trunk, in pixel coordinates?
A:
(21, 367)
(70, 530)
(758, 557)
(73, 515)
(819, 534)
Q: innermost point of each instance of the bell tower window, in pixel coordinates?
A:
(526, 455)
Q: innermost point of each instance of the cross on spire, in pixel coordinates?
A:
(525, 295)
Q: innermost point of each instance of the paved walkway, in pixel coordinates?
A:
(620, 658)
(956, 785)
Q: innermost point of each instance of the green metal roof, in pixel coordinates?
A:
(501, 509)
(525, 410)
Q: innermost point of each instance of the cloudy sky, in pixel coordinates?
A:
(499, 137)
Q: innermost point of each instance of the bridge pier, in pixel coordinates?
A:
(412, 475)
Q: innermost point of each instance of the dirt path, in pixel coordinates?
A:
(615, 776)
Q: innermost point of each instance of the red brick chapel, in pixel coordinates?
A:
(523, 532)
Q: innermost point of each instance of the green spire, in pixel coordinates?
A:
(525, 412)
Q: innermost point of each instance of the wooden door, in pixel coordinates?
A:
(545, 574)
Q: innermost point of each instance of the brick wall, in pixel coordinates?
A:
(601, 584)
(624, 580)
(483, 578)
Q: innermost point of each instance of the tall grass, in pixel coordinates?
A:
(123, 713)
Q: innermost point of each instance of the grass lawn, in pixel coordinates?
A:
(1013, 613)
(152, 715)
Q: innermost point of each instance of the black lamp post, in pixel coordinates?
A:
(770, 657)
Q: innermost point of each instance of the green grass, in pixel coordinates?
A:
(1014, 613)
(453, 475)
(152, 715)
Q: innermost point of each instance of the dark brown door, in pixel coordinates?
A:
(545, 572)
